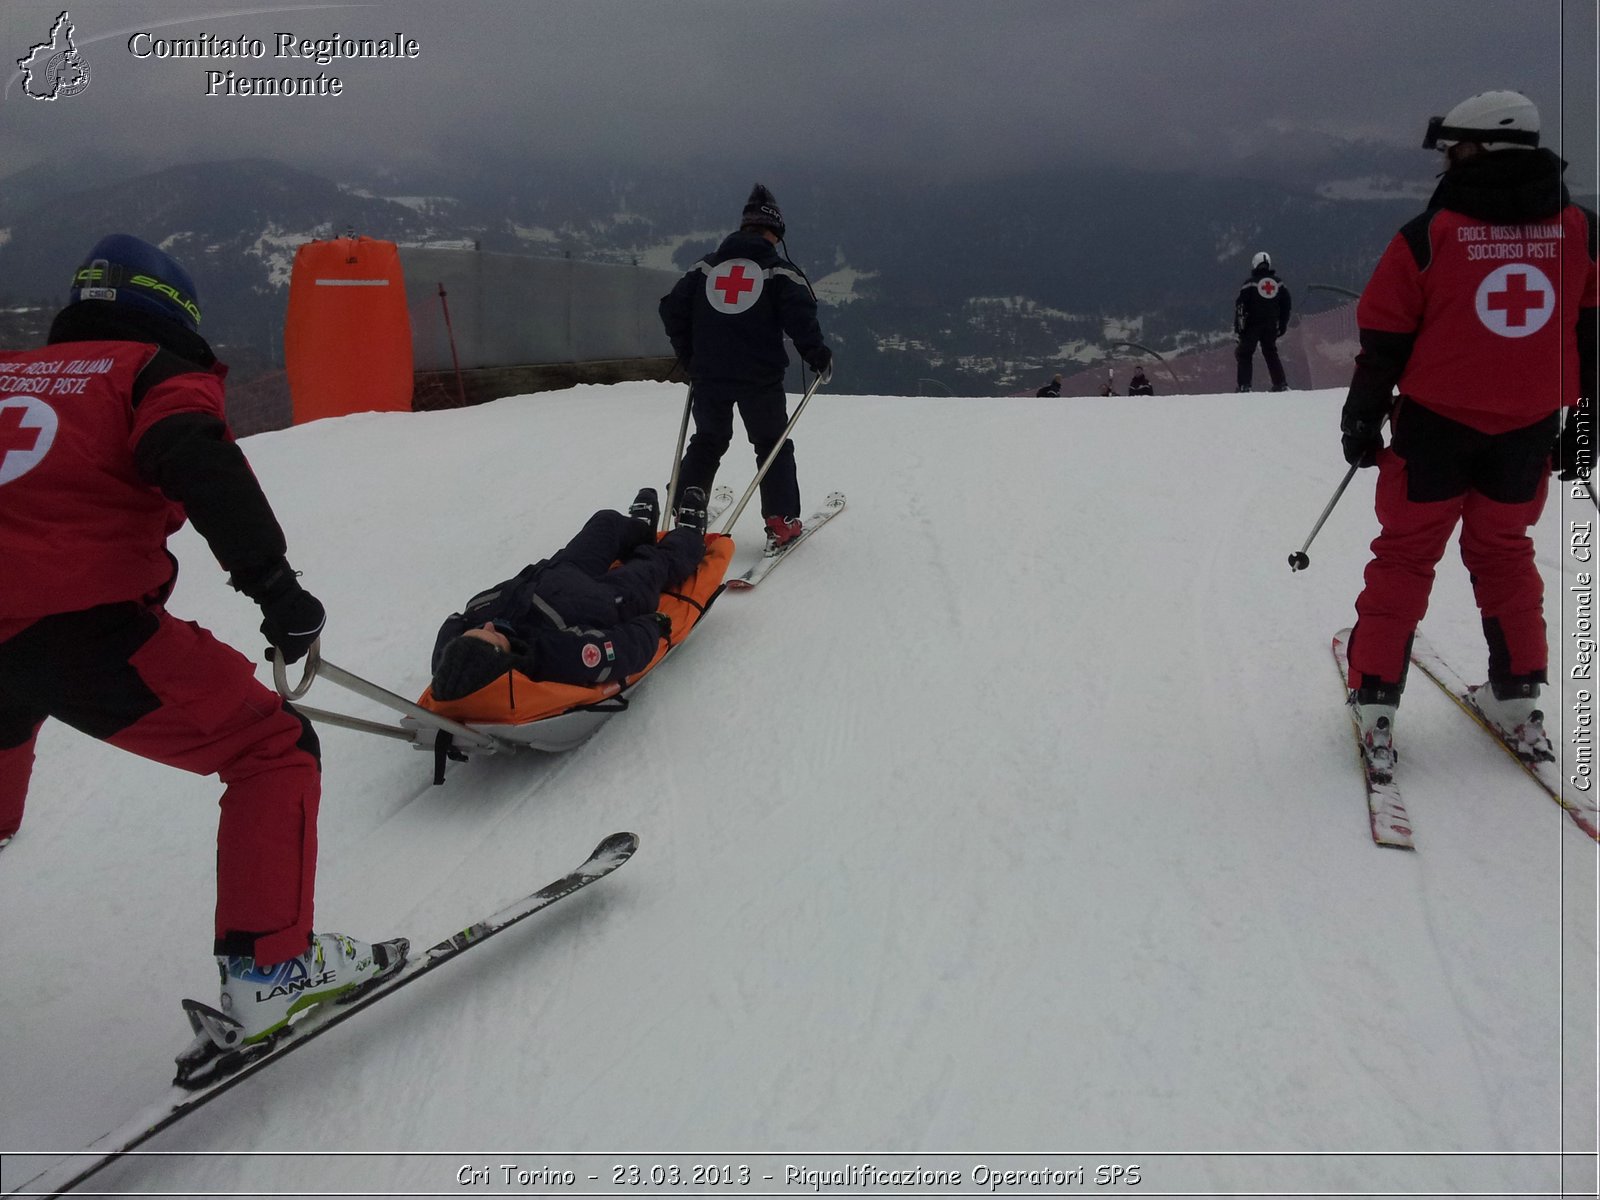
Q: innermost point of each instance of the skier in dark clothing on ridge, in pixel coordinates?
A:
(1483, 313)
(111, 436)
(1051, 390)
(726, 319)
(1260, 317)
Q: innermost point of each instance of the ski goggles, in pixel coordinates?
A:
(1454, 133)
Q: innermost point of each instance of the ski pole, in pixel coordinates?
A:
(776, 450)
(677, 457)
(1299, 561)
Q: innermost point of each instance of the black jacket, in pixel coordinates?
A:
(727, 325)
(568, 626)
(1262, 306)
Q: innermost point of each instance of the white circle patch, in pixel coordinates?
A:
(1268, 288)
(591, 655)
(734, 285)
(1515, 300)
(27, 429)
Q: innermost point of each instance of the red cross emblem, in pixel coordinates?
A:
(27, 427)
(1268, 288)
(1515, 300)
(734, 286)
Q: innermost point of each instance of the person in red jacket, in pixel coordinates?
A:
(1482, 312)
(111, 436)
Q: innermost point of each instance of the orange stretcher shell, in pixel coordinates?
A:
(515, 699)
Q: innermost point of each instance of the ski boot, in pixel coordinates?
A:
(780, 532)
(257, 1003)
(1512, 710)
(646, 507)
(1375, 706)
(692, 510)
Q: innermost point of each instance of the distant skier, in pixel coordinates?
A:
(112, 435)
(1483, 312)
(1260, 318)
(585, 615)
(726, 320)
(1051, 389)
(1139, 385)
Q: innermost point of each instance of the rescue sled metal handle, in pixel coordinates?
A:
(316, 666)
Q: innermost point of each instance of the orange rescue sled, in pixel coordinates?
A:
(514, 712)
(556, 716)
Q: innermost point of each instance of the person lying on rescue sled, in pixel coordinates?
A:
(584, 616)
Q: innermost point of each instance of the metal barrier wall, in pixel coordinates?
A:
(507, 309)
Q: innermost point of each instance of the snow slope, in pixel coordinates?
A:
(1016, 820)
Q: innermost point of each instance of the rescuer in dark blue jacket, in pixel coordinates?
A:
(1260, 317)
(726, 320)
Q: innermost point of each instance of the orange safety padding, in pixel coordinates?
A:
(515, 699)
(347, 334)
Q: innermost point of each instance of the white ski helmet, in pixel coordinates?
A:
(1495, 120)
(1262, 259)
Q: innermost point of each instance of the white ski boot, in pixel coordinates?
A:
(257, 1002)
(1517, 718)
(262, 999)
(1377, 738)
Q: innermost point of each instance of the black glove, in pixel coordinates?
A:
(292, 618)
(664, 622)
(1361, 441)
(820, 360)
(1575, 447)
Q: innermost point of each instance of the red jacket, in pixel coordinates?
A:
(78, 525)
(110, 437)
(1474, 308)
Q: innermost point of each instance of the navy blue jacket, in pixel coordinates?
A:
(569, 619)
(1262, 306)
(727, 316)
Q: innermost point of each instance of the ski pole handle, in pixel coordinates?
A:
(1299, 560)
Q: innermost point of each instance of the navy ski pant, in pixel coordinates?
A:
(764, 409)
(1246, 354)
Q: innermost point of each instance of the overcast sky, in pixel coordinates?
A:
(946, 86)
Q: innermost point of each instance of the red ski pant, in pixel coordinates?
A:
(1495, 487)
(167, 690)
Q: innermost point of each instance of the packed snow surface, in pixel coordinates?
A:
(1013, 823)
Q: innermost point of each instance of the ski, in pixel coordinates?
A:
(180, 1102)
(1547, 774)
(1390, 824)
(831, 507)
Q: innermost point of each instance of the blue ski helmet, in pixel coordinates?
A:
(125, 270)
